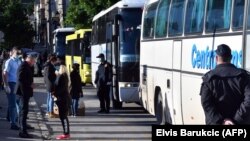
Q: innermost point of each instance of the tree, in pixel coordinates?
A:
(76, 15)
(15, 24)
(81, 12)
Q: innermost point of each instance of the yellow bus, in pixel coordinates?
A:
(78, 51)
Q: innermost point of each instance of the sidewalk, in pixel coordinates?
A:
(35, 120)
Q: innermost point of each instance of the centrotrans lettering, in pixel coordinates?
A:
(205, 59)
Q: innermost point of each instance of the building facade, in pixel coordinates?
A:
(49, 15)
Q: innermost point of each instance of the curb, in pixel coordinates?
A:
(45, 134)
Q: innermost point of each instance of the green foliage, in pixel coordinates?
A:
(29, 8)
(76, 16)
(81, 12)
(15, 25)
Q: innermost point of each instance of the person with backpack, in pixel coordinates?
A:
(75, 88)
(49, 79)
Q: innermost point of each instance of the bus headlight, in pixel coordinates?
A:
(130, 85)
(87, 73)
(127, 85)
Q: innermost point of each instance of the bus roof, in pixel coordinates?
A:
(65, 29)
(121, 4)
(74, 36)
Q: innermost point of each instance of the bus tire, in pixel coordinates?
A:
(159, 110)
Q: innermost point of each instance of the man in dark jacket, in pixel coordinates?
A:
(24, 90)
(225, 92)
(103, 81)
(49, 79)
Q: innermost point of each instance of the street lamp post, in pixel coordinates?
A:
(49, 29)
(36, 30)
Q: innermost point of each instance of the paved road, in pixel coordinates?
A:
(130, 123)
(35, 118)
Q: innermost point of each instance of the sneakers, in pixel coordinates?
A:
(25, 135)
(14, 127)
(63, 137)
(73, 116)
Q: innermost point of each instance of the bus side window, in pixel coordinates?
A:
(176, 17)
(162, 19)
(238, 13)
(101, 30)
(149, 19)
(194, 16)
(94, 33)
(68, 48)
(218, 15)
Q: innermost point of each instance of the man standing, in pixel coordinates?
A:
(225, 92)
(50, 78)
(10, 79)
(24, 90)
(103, 81)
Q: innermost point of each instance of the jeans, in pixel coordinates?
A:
(12, 103)
(50, 102)
(24, 109)
(74, 106)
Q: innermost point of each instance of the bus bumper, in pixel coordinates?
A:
(129, 93)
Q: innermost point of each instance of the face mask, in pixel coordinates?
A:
(101, 60)
(57, 67)
(16, 58)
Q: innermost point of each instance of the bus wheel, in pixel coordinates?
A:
(116, 103)
(159, 110)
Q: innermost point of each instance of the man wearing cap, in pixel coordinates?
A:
(225, 92)
(103, 81)
(24, 91)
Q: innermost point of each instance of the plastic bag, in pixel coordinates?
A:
(81, 107)
(81, 103)
(7, 89)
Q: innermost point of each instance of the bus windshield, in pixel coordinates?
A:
(60, 43)
(130, 44)
(130, 34)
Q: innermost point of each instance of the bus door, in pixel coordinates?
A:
(112, 46)
(111, 54)
(176, 84)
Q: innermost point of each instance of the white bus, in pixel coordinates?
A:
(116, 34)
(178, 39)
